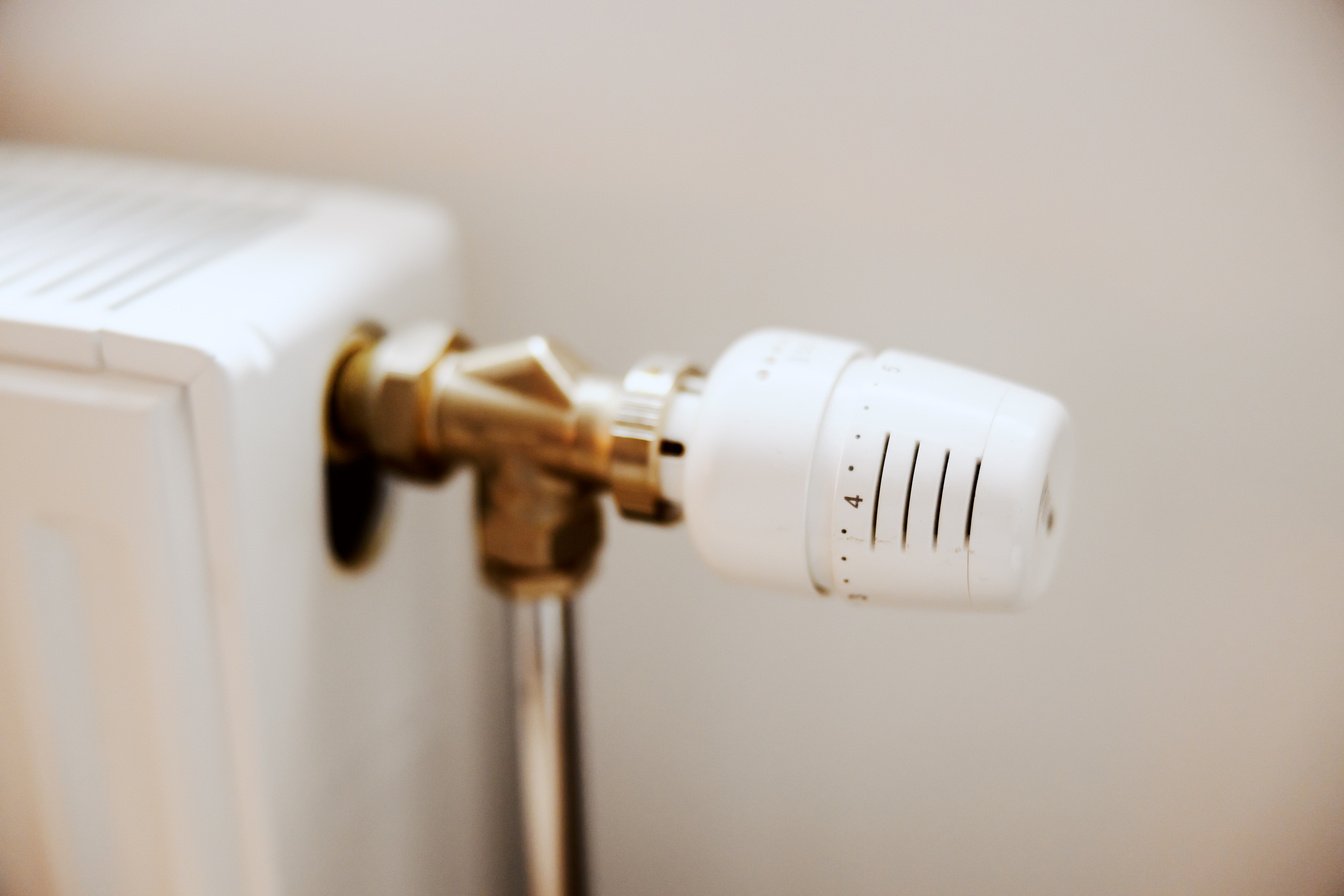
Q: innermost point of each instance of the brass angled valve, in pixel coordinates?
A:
(545, 435)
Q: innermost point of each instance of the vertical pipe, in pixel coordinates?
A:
(545, 699)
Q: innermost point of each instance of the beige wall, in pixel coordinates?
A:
(1136, 206)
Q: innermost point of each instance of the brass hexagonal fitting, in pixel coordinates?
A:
(539, 533)
(382, 392)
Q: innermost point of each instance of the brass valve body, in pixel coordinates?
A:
(543, 432)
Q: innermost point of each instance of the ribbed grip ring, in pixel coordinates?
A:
(637, 431)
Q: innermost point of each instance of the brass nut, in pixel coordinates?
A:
(397, 397)
(539, 533)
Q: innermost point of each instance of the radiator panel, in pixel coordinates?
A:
(196, 698)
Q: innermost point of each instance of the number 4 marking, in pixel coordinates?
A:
(853, 500)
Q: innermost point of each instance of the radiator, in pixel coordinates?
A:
(196, 699)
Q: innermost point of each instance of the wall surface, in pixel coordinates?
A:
(1138, 207)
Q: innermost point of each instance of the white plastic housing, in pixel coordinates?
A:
(813, 463)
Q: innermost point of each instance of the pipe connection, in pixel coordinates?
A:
(544, 434)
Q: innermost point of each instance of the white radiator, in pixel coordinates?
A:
(195, 699)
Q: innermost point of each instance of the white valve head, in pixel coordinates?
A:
(813, 463)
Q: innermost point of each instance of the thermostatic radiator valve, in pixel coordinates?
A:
(800, 462)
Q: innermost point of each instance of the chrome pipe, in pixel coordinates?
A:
(547, 732)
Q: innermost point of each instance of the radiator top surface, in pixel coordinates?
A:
(94, 230)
